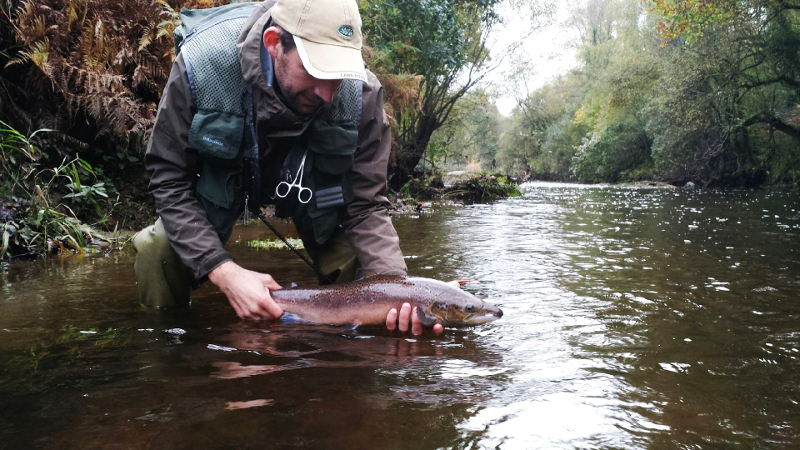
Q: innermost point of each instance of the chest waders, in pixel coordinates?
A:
(223, 132)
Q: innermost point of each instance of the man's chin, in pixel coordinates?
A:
(305, 110)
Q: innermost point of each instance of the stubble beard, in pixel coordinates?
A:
(292, 97)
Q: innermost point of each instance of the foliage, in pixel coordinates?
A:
(34, 224)
(469, 135)
(689, 91)
(607, 155)
(692, 19)
(423, 188)
(483, 186)
(97, 61)
(91, 72)
(733, 82)
(541, 139)
(275, 244)
(444, 42)
(17, 157)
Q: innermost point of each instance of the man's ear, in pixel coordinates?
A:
(272, 40)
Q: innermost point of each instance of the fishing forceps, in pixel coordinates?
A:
(298, 179)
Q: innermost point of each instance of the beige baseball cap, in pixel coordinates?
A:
(327, 34)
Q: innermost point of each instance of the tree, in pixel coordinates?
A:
(768, 30)
(470, 135)
(444, 41)
(541, 138)
(738, 65)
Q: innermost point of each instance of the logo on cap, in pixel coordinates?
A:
(346, 31)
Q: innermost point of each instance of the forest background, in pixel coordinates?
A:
(663, 90)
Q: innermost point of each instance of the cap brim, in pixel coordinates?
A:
(330, 62)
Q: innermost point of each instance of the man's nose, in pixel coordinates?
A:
(326, 88)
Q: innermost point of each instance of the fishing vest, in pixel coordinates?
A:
(223, 131)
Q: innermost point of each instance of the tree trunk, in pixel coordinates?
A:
(411, 153)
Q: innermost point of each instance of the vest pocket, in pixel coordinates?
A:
(332, 138)
(218, 182)
(217, 136)
(219, 191)
(220, 217)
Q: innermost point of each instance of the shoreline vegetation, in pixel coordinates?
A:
(698, 92)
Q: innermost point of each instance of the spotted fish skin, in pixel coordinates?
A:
(368, 301)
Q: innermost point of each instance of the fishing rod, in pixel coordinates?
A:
(260, 215)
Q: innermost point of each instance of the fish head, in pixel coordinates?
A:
(461, 309)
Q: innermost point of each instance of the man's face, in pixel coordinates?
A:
(304, 93)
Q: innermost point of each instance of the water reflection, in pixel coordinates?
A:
(633, 318)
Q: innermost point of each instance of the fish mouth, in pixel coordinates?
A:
(481, 319)
(485, 316)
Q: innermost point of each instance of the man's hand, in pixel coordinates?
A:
(407, 315)
(247, 291)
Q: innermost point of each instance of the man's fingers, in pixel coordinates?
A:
(391, 319)
(408, 318)
(274, 310)
(405, 313)
(416, 325)
(238, 310)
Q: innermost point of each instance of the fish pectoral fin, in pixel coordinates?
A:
(425, 319)
(288, 317)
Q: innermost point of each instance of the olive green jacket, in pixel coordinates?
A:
(175, 166)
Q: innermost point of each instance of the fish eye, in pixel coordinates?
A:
(470, 308)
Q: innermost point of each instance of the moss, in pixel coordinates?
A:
(275, 244)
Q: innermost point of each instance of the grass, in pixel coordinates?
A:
(275, 244)
(43, 224)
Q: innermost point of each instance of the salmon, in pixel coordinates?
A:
(368, 301)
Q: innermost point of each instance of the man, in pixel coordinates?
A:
(259, 94)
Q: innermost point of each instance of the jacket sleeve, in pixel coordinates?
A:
(174, 168)
(367, 223)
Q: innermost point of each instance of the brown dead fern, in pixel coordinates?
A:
(95, 68)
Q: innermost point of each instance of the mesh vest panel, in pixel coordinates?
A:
(217, 82)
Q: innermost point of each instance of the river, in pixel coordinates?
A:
(633, 318)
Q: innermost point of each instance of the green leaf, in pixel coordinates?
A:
(86, 166)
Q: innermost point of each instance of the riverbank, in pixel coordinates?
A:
(460, 186)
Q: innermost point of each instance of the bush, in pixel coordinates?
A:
(620, 149)
(482, 187)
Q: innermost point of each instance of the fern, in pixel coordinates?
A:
(146, 38)
(92, 69)
(38, 55)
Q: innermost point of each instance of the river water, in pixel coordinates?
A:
(634, 318)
